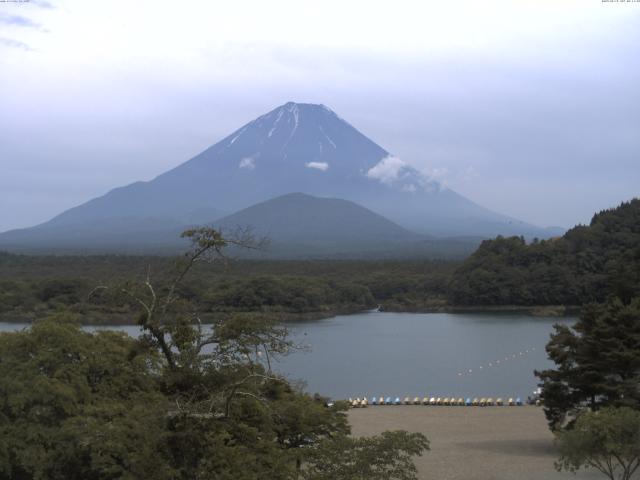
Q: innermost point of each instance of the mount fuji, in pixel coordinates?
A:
(296, 147)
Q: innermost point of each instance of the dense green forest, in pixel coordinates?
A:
(585, 265)
(34, 287)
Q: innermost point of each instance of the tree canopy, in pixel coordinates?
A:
(597, 362)
(33, 287)
(607, 440)
(182, 401)
(585, 265)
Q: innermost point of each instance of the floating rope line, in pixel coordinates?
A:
(498, 362)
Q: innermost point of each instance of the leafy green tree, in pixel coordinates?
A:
(183, 401)
(388, 456)
(607, 440)
(598, 362)
(75, 405)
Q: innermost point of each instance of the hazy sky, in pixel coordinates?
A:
(531, 108)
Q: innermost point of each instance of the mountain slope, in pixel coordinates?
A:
(296, 226)
(302, 226)
(306, 223)
(281, 152)
(102, 235)
(294, 148)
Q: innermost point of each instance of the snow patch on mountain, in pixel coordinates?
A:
(275, 124)
(247, 163)
(318, 165)
(293, 108)
(327, 137)
(240, 132)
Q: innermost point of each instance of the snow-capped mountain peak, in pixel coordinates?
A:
(297, 147)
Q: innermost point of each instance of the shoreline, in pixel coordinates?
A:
(533, 310)
(118, 319)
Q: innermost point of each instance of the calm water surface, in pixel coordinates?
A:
(409, 354)
(435, 354)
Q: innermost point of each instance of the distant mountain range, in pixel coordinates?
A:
(366, 200)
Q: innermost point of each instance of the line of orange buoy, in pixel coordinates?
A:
(496, 363)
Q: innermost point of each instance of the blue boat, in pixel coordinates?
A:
(374, 401)
(467, 402)
(388, 401)
(397, 402)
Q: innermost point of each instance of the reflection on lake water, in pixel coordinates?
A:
(409, 354)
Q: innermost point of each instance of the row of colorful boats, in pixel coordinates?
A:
(448, 401)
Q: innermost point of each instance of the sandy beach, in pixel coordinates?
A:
(473, 443)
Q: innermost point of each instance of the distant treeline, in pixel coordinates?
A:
(33, 287)
(585, 265)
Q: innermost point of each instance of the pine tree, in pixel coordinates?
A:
(598, 362)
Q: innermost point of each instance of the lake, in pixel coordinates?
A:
(410, 354)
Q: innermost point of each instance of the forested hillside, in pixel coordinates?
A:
(587, 264)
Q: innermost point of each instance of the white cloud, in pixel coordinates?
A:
(439, 173)
(387, 170)
(318, 165)
(446, 177)
(247, 163)
(437, 177)
(394, 171)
